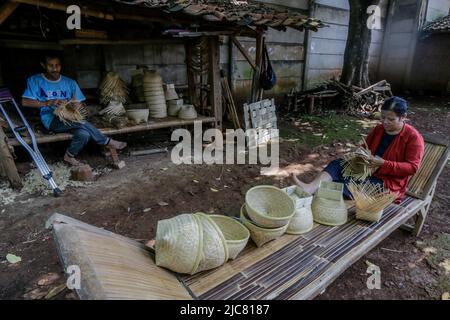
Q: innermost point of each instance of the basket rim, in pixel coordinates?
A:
(219, 216)
(244, 218)
(267, 216)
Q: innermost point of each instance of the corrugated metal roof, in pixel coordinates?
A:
(243, 13)
(441, 25)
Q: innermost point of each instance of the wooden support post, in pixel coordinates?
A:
(256, 86)
(6, 10)
(190, 75)
(214, 80)
(7, 163)
(243, 51)
(423, 212)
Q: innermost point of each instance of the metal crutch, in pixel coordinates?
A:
(33, 150)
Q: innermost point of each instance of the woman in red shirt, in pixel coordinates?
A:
(397, 150)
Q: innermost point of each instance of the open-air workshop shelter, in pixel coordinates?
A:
(116, 34)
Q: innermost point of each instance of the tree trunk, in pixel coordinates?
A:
(356, 57)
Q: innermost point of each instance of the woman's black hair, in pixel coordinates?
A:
(396, 104)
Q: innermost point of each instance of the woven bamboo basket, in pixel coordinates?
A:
(328, 204)
(138, 115)
(356, 165)
(260, 235)
(269, 207)
(235, 233)
(179, 243)
(170, 93)
(370, 200)
(300, 197)
(154, 94)
(187, 112)
(174, 107)
(302, 221)
(214, 250)
(361, 214)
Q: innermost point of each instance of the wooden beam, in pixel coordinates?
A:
(214, 80)
(6, 10)
(52, 5)
(9, 168)
(243, 51)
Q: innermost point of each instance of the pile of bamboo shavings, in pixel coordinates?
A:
(371, 198)
(113, 88)
(68, 113)
(356, 165)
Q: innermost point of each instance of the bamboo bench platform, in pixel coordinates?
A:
(291, 267)
(151, 125)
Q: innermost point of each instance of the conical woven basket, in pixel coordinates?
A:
(260, 235)
(302, 221)
(235, 233)
(179, 243)
(215, 250)
(269, 207)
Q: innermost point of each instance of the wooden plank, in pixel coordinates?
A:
(63, 7)
(151, 125)
(6, 10)
(7, 162)
(113, 267)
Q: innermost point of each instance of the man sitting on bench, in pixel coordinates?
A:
(49, 91)
(397, 147)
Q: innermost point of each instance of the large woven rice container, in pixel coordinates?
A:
(154, 94)
(302, 221)
(179, 243)
(258, 234)
(235, 233)
(269, 207)
(328, 204)
(214, 251)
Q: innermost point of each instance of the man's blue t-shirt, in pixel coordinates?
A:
(42, 89)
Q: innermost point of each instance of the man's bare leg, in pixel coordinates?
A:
(312, 187)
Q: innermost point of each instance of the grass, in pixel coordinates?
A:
(325, 129)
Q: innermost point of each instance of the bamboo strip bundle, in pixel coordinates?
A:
(356, 165)
(370, 200)
(113, 88)
(68, 113)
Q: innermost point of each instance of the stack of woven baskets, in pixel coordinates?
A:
(267, 213)
(328, 204)
(191, 243)
(154, 94)
(302, 221)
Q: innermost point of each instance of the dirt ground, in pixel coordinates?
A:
(131, 201)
